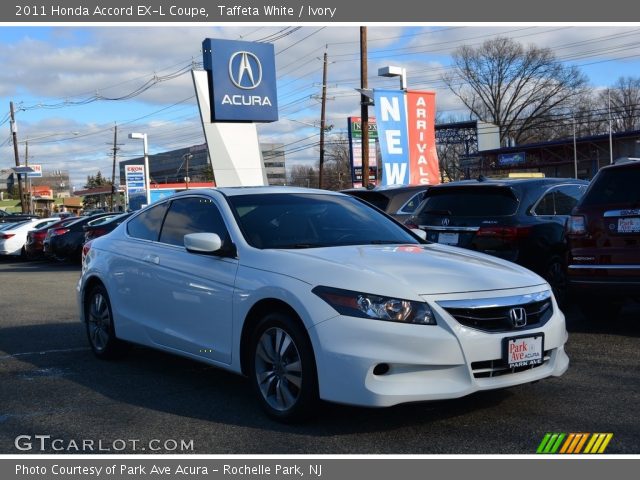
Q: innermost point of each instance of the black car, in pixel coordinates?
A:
(520, 220)
(398, 201)
(65, 243)
(98, 228)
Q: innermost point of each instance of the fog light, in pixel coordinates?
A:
(381, 369)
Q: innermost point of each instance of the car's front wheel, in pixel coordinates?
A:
(99, 324)
(283, 370)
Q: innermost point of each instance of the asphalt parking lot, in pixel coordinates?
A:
(52, 385)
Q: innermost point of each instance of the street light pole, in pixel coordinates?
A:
(392, 71)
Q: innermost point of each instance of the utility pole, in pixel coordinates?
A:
(364, 107)
(14, 138)
(323, 118)
(115, 149)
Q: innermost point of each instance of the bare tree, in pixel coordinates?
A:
(514, 87)
(303, 176)
(337, 167)
(625, 104)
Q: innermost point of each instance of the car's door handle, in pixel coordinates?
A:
(150, 258)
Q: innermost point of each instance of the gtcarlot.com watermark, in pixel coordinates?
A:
(47, 443)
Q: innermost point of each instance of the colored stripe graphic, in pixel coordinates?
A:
(573, 443)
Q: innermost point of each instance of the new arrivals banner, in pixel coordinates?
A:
(406, 130)
(423, 157)
(391, 116)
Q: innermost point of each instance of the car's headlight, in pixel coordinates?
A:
(365, 305)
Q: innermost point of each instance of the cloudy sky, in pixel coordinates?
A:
(71, 85)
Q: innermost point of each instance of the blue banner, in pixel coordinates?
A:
(391, 116)
(243, 80)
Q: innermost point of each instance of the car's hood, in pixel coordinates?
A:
(392, 270)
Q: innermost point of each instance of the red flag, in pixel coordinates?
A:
(423, 157)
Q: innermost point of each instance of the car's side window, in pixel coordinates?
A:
(546, 205)
(191, 215)
(412, 204)
(567, 197)
(147, 225)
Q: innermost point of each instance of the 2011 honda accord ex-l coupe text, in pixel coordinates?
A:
(317, 295)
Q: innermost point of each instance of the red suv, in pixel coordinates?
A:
(603, 233)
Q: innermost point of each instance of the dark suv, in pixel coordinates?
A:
(520, 220)
(603, 262)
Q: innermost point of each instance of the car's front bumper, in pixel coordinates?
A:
(424, 362)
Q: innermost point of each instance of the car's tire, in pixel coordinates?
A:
(282, 368)
(99, 325)
(555, 274)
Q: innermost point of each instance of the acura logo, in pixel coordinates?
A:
(245, 70)
(518, 317)
(445, 222)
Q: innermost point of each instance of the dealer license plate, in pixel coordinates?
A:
(629, 225)
(448, 238)
(524, 351)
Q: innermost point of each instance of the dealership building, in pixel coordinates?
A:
(556, 158)
(173, 166)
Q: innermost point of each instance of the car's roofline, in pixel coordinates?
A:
(256, 190)
(508, 182)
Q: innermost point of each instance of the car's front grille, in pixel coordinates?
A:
(498, 367)
(502, 314)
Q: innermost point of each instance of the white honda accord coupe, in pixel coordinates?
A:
(316, 295)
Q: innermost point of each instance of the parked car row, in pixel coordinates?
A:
(56, 238)
(583, 238)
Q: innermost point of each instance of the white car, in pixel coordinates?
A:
(316, 295)
(14, 235)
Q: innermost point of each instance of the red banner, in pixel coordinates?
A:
(423, 158)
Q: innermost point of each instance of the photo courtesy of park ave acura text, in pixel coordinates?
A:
(315, 239)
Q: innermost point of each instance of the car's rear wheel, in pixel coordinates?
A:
(283, 370)
(99, 324)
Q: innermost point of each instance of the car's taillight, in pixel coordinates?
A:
(577, 225)
(6, 236)
(504, 233)
(39, 235)
(85, 250)
(59, 231)
(96, 232)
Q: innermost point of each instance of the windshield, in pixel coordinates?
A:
(614, 186)
(306, 220)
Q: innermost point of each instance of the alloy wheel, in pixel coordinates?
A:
(278, 369)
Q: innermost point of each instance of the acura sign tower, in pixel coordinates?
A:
(236, 89)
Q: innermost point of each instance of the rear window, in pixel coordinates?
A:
(470, 202)
(614, 186)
